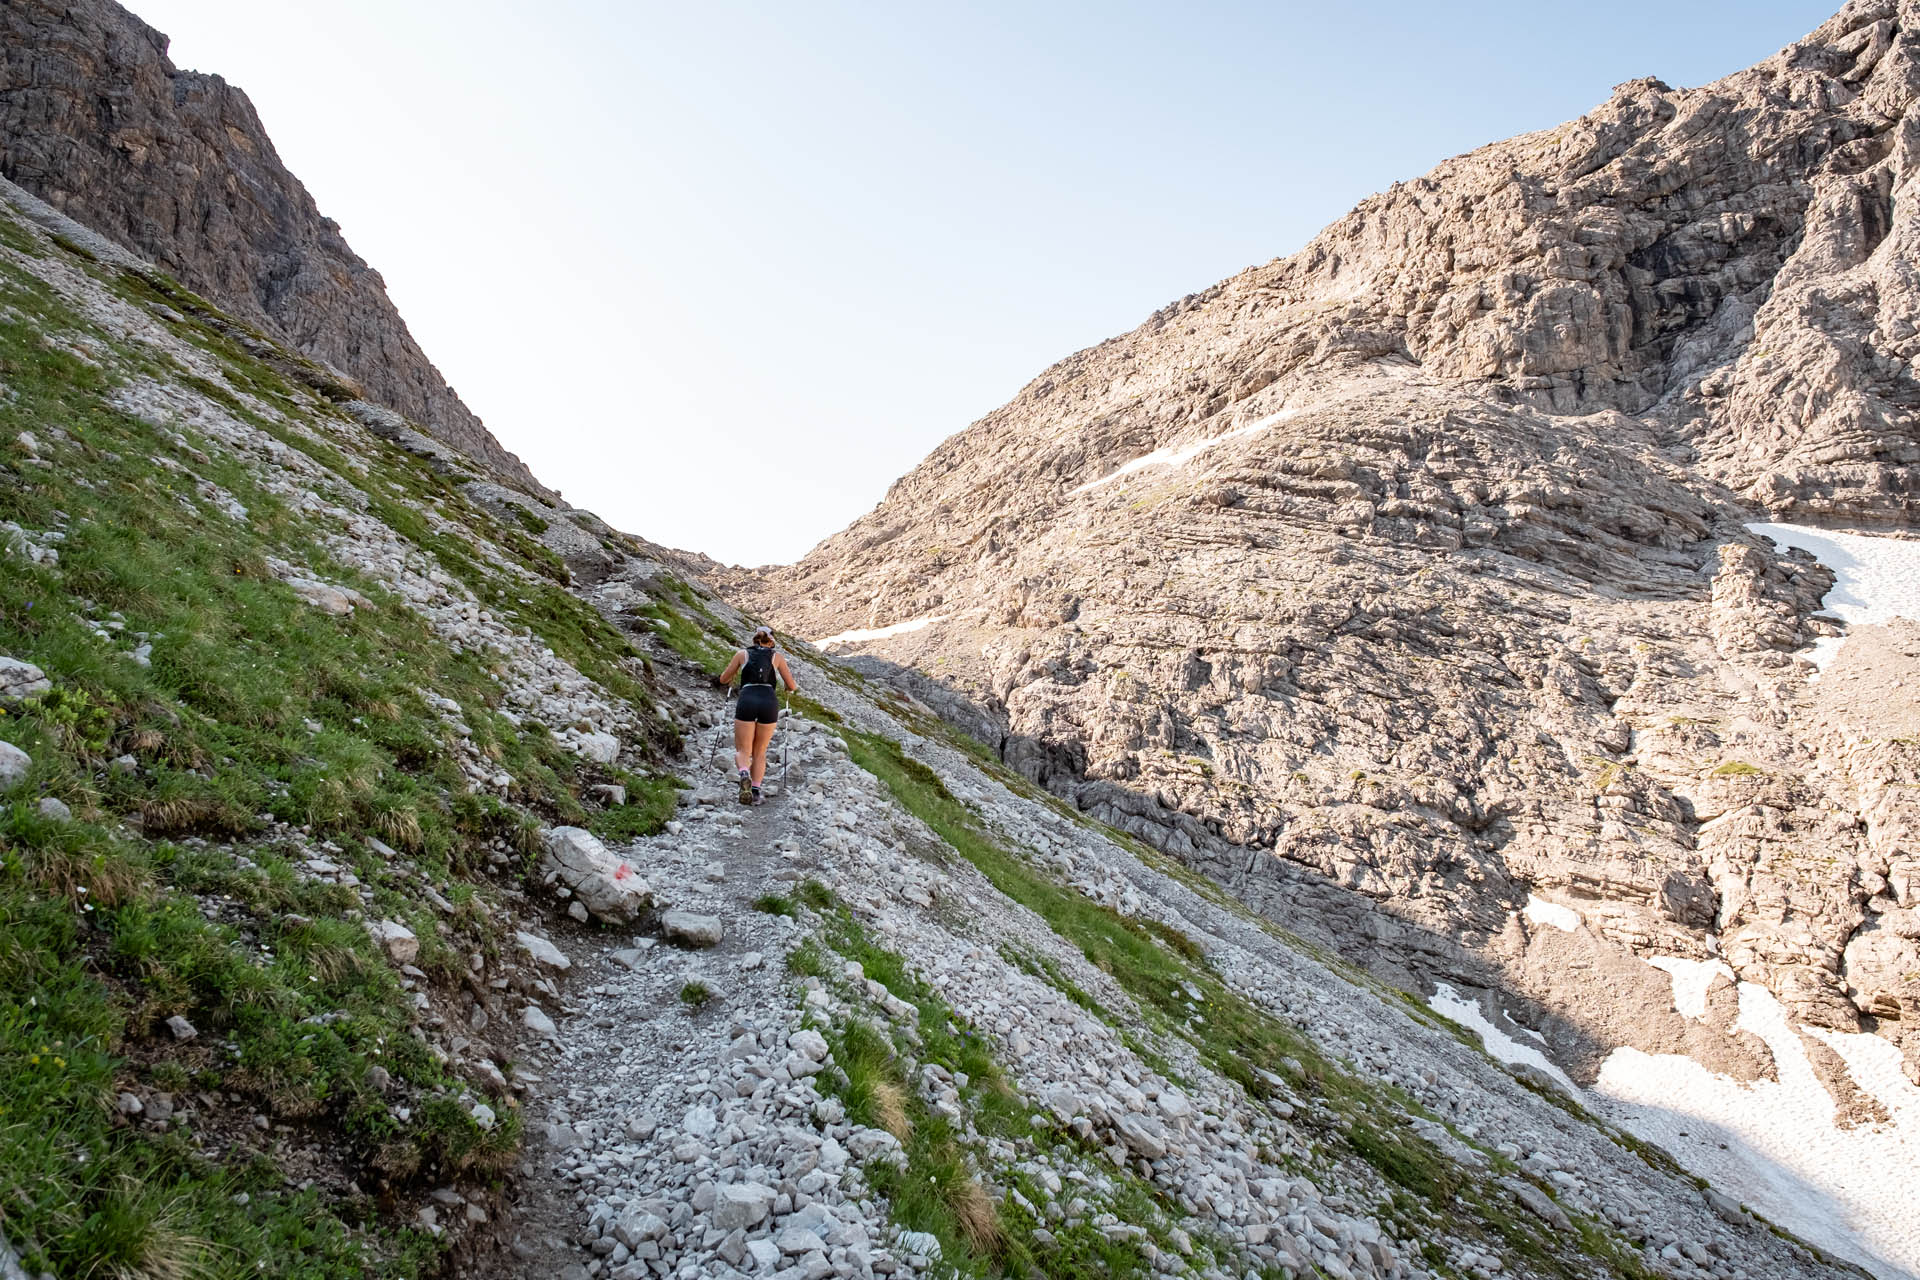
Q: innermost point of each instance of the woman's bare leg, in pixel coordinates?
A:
(762, 735)
(743, 743)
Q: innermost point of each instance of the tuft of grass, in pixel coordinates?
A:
(774, 904)
(808, 960)
(976, 1215)
(138, 1233)
(696, 994)
(650, 802)
(875, 1081)
(1736, 769)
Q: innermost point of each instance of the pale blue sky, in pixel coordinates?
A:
(723, 271)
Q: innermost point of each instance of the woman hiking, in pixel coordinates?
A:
(758, 710)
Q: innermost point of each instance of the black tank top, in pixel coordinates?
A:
(759, 668)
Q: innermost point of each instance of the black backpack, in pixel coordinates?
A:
(759, 668)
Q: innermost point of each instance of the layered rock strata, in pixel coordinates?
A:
(1406, 579)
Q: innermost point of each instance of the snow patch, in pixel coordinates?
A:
(1774, 1143)
(1174, 456)
(1445, 1000)
(1540, 911)
(881, 633)
(1876, 578)
(1691, 979)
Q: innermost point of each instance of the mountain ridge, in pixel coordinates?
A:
(1417, 559)
(176, 166)
(374, 900)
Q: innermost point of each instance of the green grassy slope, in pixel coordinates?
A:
(210, 733)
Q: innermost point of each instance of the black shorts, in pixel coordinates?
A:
(759, 704)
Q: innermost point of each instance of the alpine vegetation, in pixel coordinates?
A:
(1341, 795)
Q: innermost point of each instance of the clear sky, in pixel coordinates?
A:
(722, 271)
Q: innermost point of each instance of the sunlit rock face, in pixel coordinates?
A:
(1410, 577)
(175, 165)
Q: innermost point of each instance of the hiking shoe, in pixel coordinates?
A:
(758, 797)
(747, 789)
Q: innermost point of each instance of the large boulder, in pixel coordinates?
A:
(607, 886)
(601, 748)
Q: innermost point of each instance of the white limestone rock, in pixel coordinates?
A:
(21, 680)
(398, 941)
(692, 929)
(541, 950)
(612, 891)
(14, 764)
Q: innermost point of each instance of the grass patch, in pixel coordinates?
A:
(688, 639)
(938, 1186)
(253, 733)
(650, 803)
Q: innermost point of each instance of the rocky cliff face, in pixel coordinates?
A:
(96, 121)
(1406, 580)
(334, 791)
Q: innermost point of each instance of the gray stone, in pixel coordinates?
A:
(601, 748)
(809, 1044)
(398, 941)
(21, 680)
(53, 810)
(741, 1204)
(636, 1226)
(14, 764)
(798, 1240)
(690, 929)
(541, 950)
(608, 886)
(1538, 1203)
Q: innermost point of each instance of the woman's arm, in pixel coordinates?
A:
(780, 664)
(733, 668)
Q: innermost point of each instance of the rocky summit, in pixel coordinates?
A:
(1372, 776)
